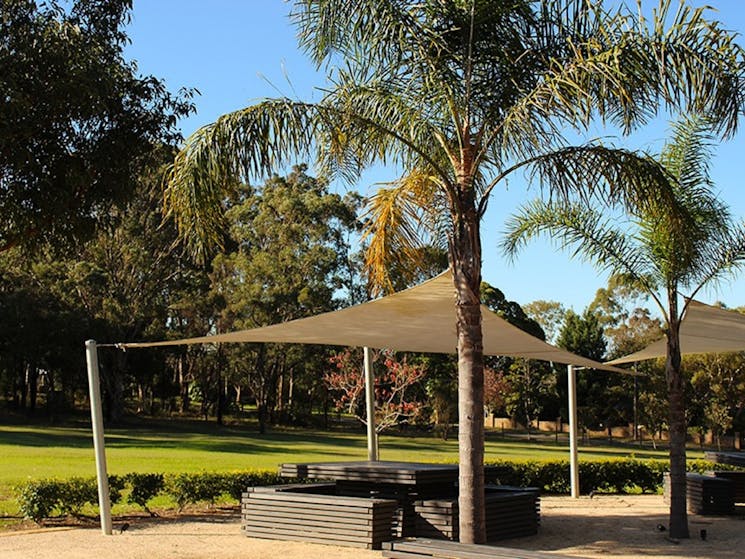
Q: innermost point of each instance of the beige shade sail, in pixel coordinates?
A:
(419, 319)
(704, 329)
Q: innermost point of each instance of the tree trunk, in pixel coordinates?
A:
(676, 395)
(291, 393)
(24, 385)
(465, 261)
(33, 389)
(220, 400)
(183, 384)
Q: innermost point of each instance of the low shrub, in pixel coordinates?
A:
(235, 483)
(621, 475)
(192, 488)
(37, 499)
(40, 499)
(143, 488)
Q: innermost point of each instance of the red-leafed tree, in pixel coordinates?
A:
(496, 387)
(394, 379)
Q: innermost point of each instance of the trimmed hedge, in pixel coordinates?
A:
(44, 498)
(623, 475)
(41, 499)
(143, 488)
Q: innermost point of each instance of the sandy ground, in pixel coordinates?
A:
(618, 526)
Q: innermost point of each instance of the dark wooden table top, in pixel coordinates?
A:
(734, 458)
(400, 473)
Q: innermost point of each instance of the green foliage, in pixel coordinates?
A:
(73, 142)
(548, 314)
(143, 487)
(39, 499)
(511, 311)
(288, 259)
(75, 493)
(189, 489)
(235, 483)
(583, 335)
(621, 475)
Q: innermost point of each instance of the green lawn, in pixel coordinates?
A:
(30, 452)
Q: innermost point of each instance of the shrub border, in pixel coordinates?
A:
(44, 498)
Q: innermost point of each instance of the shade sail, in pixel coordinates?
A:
(419, 319)
(704, 329)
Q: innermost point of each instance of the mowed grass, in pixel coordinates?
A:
(33, 452)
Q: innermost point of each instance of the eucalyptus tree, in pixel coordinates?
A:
(290, 256)
(77, 123)
(458, 94)
(664, 250)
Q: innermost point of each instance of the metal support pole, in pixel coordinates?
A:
(94, 385)
(573, 462)
(372, 437)
(636, 406)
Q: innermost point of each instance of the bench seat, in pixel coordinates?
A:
(276, 512)
(423, 548)
(705, 494)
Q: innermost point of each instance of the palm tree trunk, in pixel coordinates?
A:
(676, 395)
(465, 259)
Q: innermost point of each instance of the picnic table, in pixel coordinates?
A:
(385, 472)
(378, 501)
(731, 458)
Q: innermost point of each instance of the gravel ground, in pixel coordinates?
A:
(618, 526)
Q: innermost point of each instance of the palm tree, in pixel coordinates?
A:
(662, 252)
(459, 94)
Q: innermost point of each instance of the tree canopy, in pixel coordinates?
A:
(77, 122)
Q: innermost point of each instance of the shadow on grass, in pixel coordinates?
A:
(204, 436)
(209, 439)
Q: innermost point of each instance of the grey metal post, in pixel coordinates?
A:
(94, 386)
(573, 462)
(372, 437)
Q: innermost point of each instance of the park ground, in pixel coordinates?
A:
(43, 451)
(623, 527)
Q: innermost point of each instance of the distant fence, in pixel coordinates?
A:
(707, 438)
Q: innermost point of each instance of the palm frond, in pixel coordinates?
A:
(248, 143)
(399, 221)
(617, 175)
(376, 30)
(722, 261)
(626, 67)
(688, 154)
(385, 121)
(587, 233)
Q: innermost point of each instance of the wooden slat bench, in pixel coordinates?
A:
(276, 512)
(510, 513)
(404, 519)
(422, 548)
(705, 494)
(737, 479)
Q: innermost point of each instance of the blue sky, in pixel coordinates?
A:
(238, 51)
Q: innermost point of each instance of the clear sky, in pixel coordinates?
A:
(236, 52)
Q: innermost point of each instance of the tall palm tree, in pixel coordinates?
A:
(665, 253)
(459, 94)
